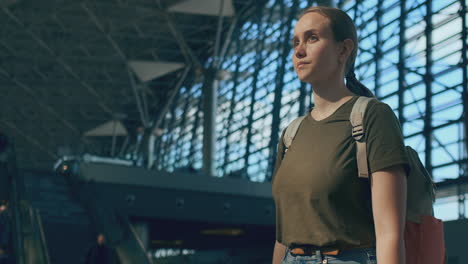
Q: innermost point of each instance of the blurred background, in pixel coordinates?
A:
(150, 127)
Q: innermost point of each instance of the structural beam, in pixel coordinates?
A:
(58, 59)
(162, 114)
(190, 56)
(143, 112)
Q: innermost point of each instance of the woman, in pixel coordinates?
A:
(324, 212)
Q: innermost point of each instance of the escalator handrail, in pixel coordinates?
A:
(40, 233)
(15, 206)
(136, 237)
(17, 237)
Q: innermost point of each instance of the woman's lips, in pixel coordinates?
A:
(301, 64)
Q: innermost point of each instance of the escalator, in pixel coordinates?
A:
(33, 246)
(115, 225)
(55, 221)
(67, 228)
(72, 218)
(27, 243)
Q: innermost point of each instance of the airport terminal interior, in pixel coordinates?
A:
(151, 127)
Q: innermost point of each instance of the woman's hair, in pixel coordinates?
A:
(343, 28)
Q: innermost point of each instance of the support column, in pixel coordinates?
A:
(378, 51)
(428, 79)
(210, 90)
(464, 64)
(401, 63)
(258, 65)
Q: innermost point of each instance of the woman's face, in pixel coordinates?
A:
(316, 53)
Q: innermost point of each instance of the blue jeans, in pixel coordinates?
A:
(353, 256)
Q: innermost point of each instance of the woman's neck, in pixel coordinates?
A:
(328, 97)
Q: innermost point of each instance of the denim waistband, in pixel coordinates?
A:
(313, 248)
(350, 256)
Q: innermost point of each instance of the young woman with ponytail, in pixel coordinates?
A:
(324, 212)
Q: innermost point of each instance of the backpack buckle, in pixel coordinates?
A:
(358, 132)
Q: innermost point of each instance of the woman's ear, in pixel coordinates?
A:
(346, 50)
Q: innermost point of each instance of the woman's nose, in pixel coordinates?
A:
(300, 51)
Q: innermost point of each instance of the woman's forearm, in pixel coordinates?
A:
(389, 188)
(278, 253)
(391, 250)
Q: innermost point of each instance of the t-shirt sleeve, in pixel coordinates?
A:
(384, 139)
(279, 154)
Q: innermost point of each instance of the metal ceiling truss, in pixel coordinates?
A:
(73, 39)
(140, 97)
(52, 53)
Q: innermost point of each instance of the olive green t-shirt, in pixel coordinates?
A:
(319, 198)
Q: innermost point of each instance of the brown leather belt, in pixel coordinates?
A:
(312, 251)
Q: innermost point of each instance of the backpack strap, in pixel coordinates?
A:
(358, 133)
(291, 132)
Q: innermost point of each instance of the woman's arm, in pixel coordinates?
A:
(388, 187)
(278, 253)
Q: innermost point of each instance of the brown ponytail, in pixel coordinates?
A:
(356, 86)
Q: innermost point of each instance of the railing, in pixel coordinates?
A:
(133, 247)
(15, 205)
(33, 247)
(40, 233)
(92, 159)
(29, 242)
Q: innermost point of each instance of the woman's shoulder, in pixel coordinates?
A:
(376, 107)
(380, 114)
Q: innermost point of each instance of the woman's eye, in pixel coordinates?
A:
(312, 38)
